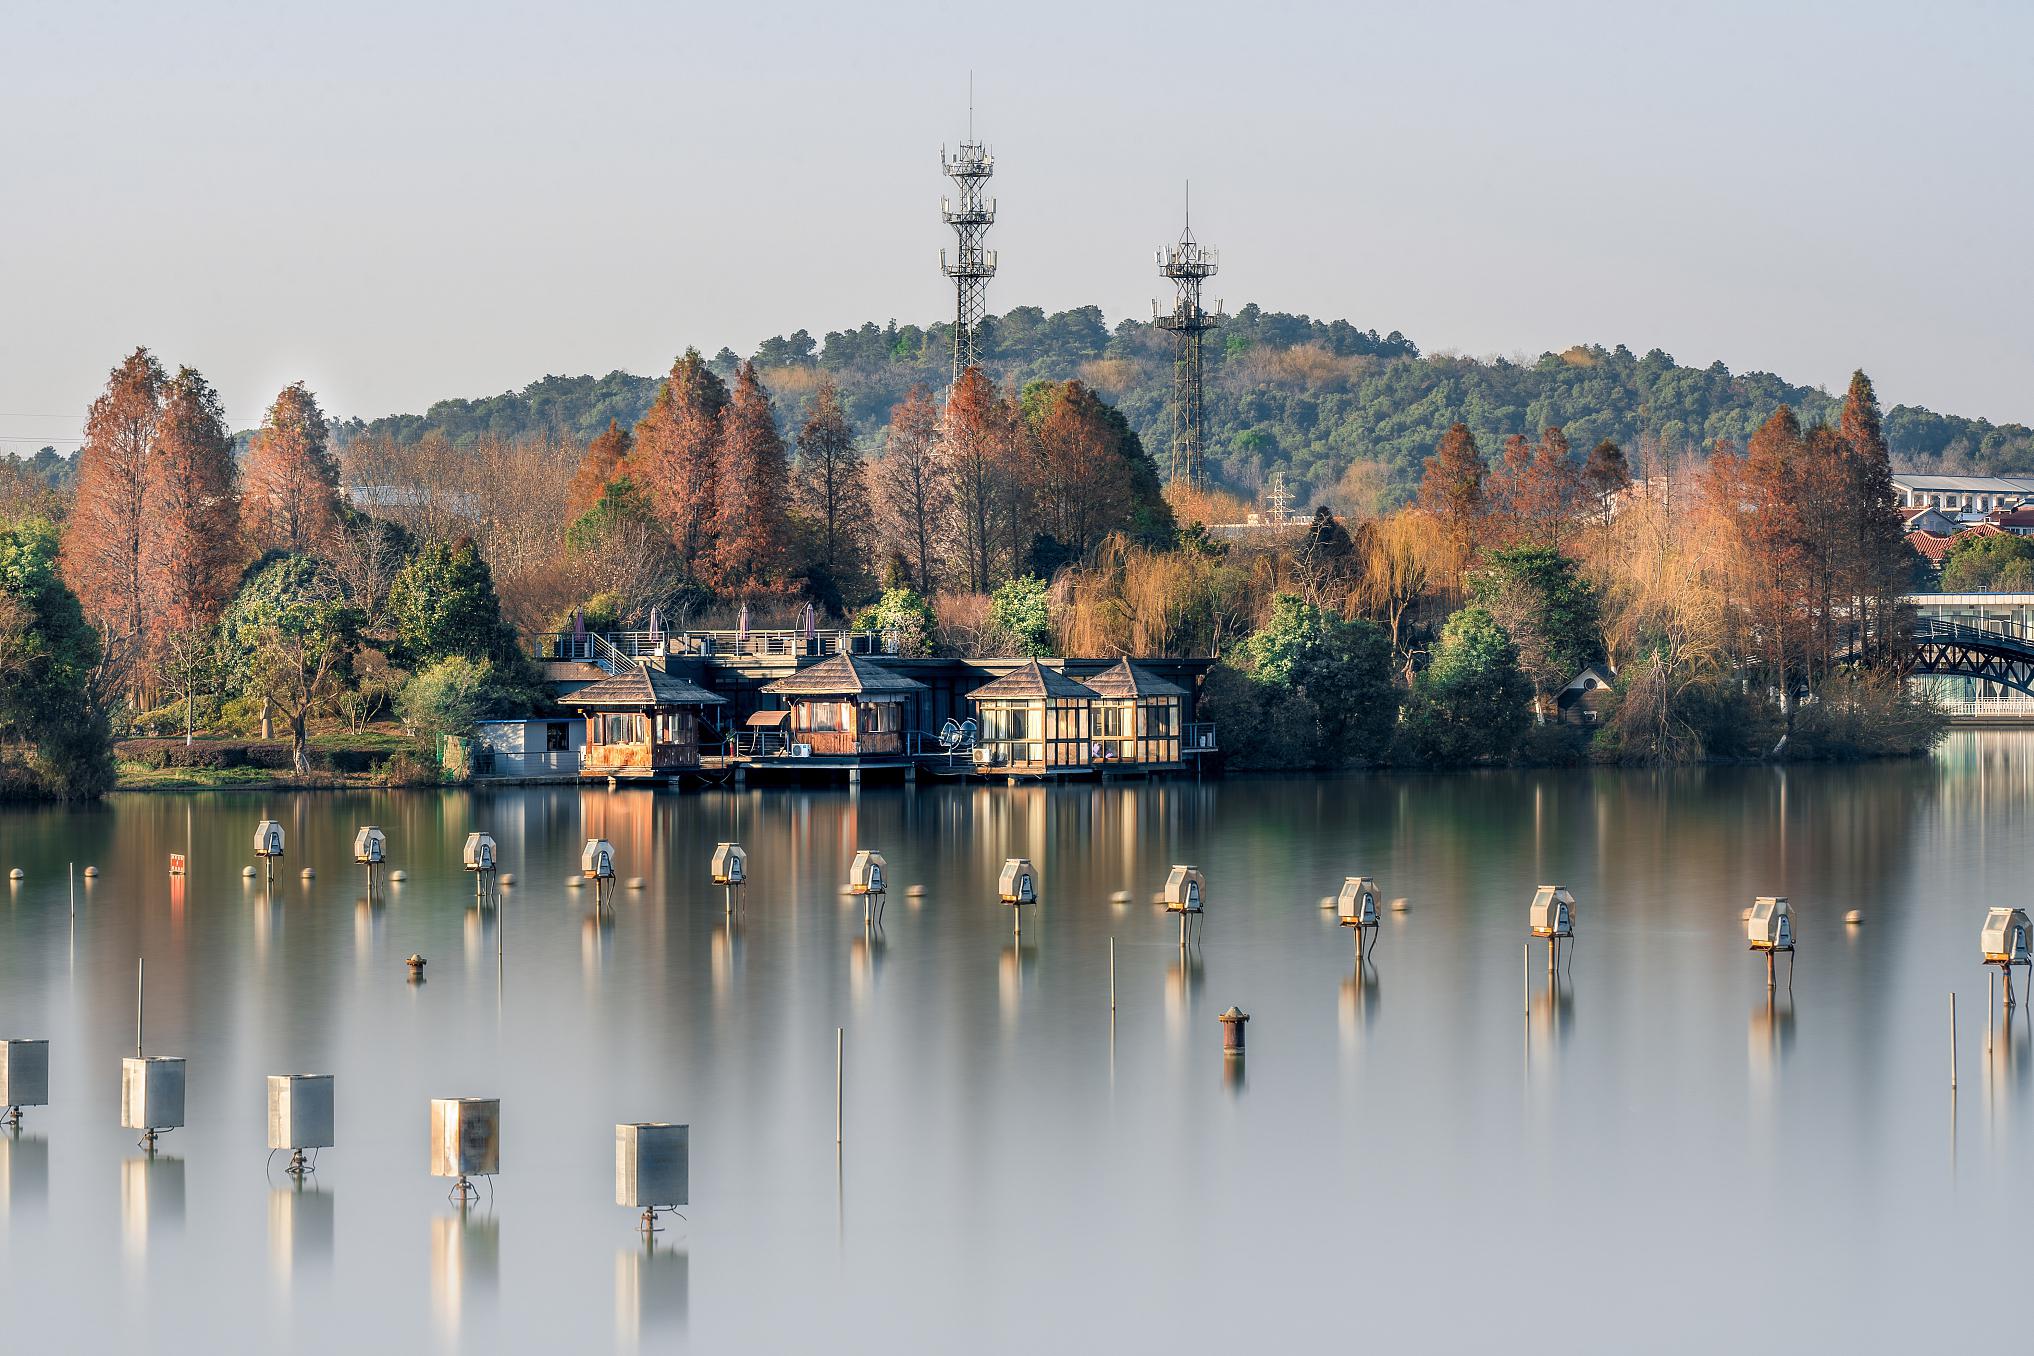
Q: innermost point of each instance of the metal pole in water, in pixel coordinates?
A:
(137, 1007)
(839, 1069)
(74, 889)
(1991, 1006)
(1952, 1041)
(1112, 974)
(1526, 954)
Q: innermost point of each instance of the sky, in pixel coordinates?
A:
(403, 202)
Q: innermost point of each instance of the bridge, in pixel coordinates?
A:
(1998, 652)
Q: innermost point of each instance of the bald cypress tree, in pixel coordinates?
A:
(290, 499)
(751, 537)
(107, 530)
(1879, 559)
(676, 458)
(604, 460)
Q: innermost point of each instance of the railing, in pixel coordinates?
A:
(613, 650)
(1198, 737)
(1989, 708)
(590, 648)
(491, 763)
(1973, 632)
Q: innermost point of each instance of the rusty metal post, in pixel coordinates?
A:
(1233, 1021)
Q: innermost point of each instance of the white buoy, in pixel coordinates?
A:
(574, 882)
(398, 875)
(17, 874)
(635, 882)
(915, 891)
(307, 873)
(508, 878)
(247, 872)
(1399, 905)
(1327, 901)
(1854, 917)
(1119, 897)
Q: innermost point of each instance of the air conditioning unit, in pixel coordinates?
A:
(984, 757)
(801, 750)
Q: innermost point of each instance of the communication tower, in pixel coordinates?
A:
(1189, 264)
(970, 214)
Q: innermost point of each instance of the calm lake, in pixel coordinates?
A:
(1655, 1158)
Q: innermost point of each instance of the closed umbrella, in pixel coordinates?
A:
(578, 632)
(742, 626)
(811, 629)
(654, 627)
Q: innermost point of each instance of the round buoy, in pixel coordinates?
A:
(1854, 917)
(508, 878)
(17, 874)
(91, 872)
(1399, 905)
(398, 875)
(308, 874)
(1120, 897)
(635, 882)
(914, 891)
(246, 871)
(1327, 901)
(574, 882)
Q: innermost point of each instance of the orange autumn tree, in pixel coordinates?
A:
(830, 489)
(675, 458)
(1081, 477)
(1451, 490)
(910, 492)
(751, 536)
(605, 460)
(290, 489)
(981, 461)
(108, 527)
(191, 553)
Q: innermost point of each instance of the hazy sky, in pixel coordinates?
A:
(399, 202)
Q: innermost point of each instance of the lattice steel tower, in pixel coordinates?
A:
(1189, 264)
(971, 266)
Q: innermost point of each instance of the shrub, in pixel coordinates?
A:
(447, 697)
(901, 612)
(1021, 615)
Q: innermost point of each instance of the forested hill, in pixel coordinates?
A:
(1314, 397)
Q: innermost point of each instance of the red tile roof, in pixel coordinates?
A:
(1935, 546)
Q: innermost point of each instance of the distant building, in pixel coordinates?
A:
(1966, 498)
(1582, 701)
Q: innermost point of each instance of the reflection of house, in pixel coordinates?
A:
(527, 747)
(1033, 719)
(642, 722)
(1588, 693)
(845, 707)
(1137, 717)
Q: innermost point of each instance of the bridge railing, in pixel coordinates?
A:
(1987, 631)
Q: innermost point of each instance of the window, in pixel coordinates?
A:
(880, 718)
(557, 737)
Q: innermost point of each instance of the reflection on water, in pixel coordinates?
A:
(300, 1230)
(652, 1288)
(1026, 1163)
(151, 1201)
(465, 1267)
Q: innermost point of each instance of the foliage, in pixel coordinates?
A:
(605, 459)
(442, 604)
(295, 634)
(1021, 612)
(2000, 563)
(449, 695)
(1550, 612)
(290, 495)
(1340, 670)
(902, 612)
(106, 532)
(1865, 714)
(50, 726)
(830, 489)
(1469, 704)
(751, 538)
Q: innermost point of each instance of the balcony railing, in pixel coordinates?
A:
(614, 649)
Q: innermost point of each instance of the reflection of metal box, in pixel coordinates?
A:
(479, 852)
(1017, 885)
(1358, 901)
(465, 1136)
(24, 1073)
(652, 1165)
(300, 1111)
(1185, 890)
(268, 839)
(2006, 937)
(370, 846)
(1553, 912)
(865, 874)
(151, 1092)
(730, 864)
(596, 859)
(1770, 927)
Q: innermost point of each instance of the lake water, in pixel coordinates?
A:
(1655, 1159)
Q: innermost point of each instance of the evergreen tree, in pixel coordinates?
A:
(1470, 703)
(1881, 562)
(442, 604)
(51, 729)
(293, 635)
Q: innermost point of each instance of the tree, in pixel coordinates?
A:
(1451, 490)
(605, 459)
(831, 489)
(51, 727)
(1021, 614)
(909, 487)
(190, 553)
(904, 614)
(1469, 704)
(1606, 474)
(676, 458)
(1880, 562)
(980, 455)
(1342, 669)
(448, 695)
(1547, 609)
(293, 635)
(290, 495)
(1397, 560)
(108, 528)
(443, 603)
(751, 547)
(620, 549)
(1091, 475)
(2000, 563)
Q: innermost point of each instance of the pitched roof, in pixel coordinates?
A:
(643, 686)
(1935, 546)
(843, 674)
(1030, 679)
(1125, 679)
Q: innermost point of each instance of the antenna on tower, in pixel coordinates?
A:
(1189, 264)
(970, 215)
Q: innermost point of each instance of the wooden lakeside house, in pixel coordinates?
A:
(641, 722)
(844, 707)
(1139, 718)
(1034, 721)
